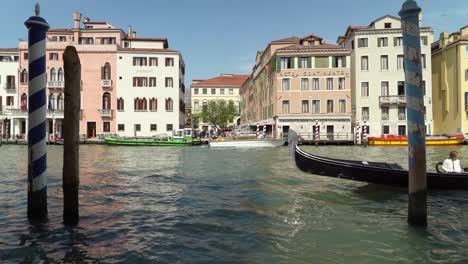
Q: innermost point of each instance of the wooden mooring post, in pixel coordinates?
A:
(71, 136)
(37, 153)
(417, 185)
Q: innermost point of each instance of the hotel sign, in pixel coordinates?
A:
(313, 73)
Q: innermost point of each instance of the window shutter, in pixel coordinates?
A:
(109, 71)
(379, 42)
(102, 73)
(309, 62)
(395, 41)
(293, 59)
(278, 63)
(299, 63)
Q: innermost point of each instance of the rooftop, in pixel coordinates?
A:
(223, 80)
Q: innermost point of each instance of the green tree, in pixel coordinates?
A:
(219, 113)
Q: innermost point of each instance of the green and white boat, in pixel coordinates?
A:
(180, 137)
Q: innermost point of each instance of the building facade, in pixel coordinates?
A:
(450, 82)
(378, 94)
(9, 65)
(224, 87)
(101, 47)
(298, 83)
(150, 95)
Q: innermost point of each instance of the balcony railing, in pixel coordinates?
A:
(384, 117)
(401, 117)
(10, 87)
(56, 84)
(106, 83)
(106, 113)
(55, 113)
(393, 99)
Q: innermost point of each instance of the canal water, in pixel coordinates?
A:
(202, 205)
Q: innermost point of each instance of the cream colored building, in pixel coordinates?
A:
(378, 80)
(224, 87)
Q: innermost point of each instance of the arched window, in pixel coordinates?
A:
(144, 104)
(51, 105)
(106, 72)
(53, 76)
(24, 101)
(106, 101)
(120, 104)
(153, 104)
(24, 76)
(60, 101)
(136, 101)
(60, 75)
(169, 105)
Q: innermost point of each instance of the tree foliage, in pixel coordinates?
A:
(219, 113)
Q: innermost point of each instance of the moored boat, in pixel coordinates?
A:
(180, 137)
(373, 172)
(391, 140)
(246, 143)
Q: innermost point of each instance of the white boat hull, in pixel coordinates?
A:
(247, 144)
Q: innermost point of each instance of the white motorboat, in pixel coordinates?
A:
(247, 143)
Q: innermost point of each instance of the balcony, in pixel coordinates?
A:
(106, 84)
(55, 84)
(10, 87)
(401, 117)
(55, 113)
(392, 99)
(106, 113)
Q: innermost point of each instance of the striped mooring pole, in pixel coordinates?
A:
(264, 129)
(258, 129)
(357, 132)
(364, 133)
(37, 154)
(417, 184)
(316, 133)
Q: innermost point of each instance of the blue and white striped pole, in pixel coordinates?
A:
(37, 154)
(417, 184)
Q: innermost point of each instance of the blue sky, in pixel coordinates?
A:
(221, 36)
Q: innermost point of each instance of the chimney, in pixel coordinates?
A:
(87, 19)
(77, 19)
(464, 31)
(130, 32)
(134, 34)
(443, 42)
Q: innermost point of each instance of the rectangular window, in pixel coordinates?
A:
(153, 127)
(285, 107)
(423, 61)
(305, 106)
(121, 127)
(339, 61)
(382, 42)
(424, 40)
(169, 62)
(213, 91)
(386, 130)
(384, 90)
(398, 41)
(231, 91)
(169, 127)
(25, 56)
(315, 84)
(137, 127)
(195, 91)
(329, 106)
(304, 62)
(384, 62)
(140, 61)
(388, 25)
(9, 101)
(304, 84)
(385, 113)
(152, 81)
(205, 91)
(153, 61)
(401, 88)
(222, 91)
(53, 56)
(400, 60)
(329, 83)
(322, 62)
(106, 127)
(362, 43)
(402, 113)
(364, 63)
(402, 130)
(196, 106)
(287, 63)
(341, 83)
(365, 113)
(169, 82)
(342, 105)
(285, 84)
(315, 106)
(365, 89)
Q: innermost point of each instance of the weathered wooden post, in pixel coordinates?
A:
(37, 154)
(71, 136)
(417, 203)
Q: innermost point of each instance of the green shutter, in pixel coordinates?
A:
(334, 62)
(395, 41)
(321, 62)
(292, 62)
(299, 63)
(309, 62)
(278, 63)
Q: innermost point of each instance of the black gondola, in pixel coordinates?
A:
(374, 172)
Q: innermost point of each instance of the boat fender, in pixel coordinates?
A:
(365, 163)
